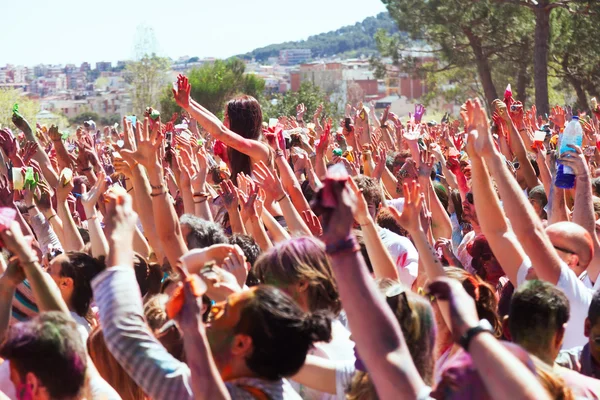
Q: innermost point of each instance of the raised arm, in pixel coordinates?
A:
(525, 223)
(492, 220)
(503, 374)
(583, 210)
(377, 333)
(383, 264)
(118, 298)
(89, 200)
(165, 217)
(72, 237)
(517, 145)
(254, 149)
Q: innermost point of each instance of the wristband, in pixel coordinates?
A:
(30, 207)
(52, 216)
(483, 326)
(282, 197)
(129, 190)
(201, 201)
(201, 194)
(158, 194)
(350, 244)
(279, 153)
(86, 169)
(159, 187)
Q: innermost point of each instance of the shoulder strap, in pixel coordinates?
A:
(257, 393)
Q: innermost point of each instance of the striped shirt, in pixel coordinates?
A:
(146, 361)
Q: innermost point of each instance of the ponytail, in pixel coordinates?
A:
(317, 326)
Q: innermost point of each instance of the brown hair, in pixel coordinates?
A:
(415, 315)
(245, 119)
(301, 259)
(110, 369)
(385, 219)
(483, 294)
(371, 189)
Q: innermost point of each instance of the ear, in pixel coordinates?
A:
(302, 286)
(587, 327)
(574, 261)
(505, 329)
(66, 283)
(32, 383)
(242, 345)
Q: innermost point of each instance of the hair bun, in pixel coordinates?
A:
(318, 326)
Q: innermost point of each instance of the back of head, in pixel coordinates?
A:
(245, 118)
(483, 294)
(281, 332)
(202, 233)
(442, 194)
(147, 275)
(110, 369)
(539, 194)
(385, 219)
(298, 260)
(538, 310)
(415, 315)
(50, 347)
(596, 186)
(594, 310)
(371, 189)
(155, 311)
(572, 237)
(82, 268)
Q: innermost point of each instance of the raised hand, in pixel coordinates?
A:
(199, 178)
(575, 159)
(230, 195)
(338, 222)
(8, 143)
(6, 194)
(300, 111)
(558, 116)
(128, 136)
(516, 111)
(380, 159)
(15, 242)
(181, 91)
(89, 199)
(313, 223)
(147, 152)
(235, 263)
(426, 164)
(501, 109)
(361, 212)
(419, 111)
(29, 151)
(269, 181)
(410, 217)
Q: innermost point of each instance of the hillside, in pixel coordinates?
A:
(349, 41)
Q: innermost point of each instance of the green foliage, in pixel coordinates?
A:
(350, 41)
(309, 94)
(213, 85)
(147, 77)
(27, 107)
(79, 119)
(110, 120)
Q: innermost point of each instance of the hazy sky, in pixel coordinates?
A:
(73, 31)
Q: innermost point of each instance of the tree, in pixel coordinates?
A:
(463, 34)
(147, 77)
(309, 94)
(542, 10)
(215, 84)
(80, 118)
(27, 107)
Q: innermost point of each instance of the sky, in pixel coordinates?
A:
(74, 31)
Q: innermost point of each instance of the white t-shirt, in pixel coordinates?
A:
(340, 348)
(579, 297)
(403, 253)
(398, 204)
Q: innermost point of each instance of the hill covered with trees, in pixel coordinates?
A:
(349, 41)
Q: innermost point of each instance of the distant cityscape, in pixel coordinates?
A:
(70, 89)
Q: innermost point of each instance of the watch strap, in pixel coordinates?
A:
(483, 326)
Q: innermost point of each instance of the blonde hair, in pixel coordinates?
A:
(110, 369)
(297, 260)
(415, 315)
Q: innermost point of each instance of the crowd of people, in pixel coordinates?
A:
(375, 257)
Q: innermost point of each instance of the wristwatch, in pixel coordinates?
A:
(483, 326)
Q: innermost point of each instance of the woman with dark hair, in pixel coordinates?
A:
(241, 130)
(301, 268)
